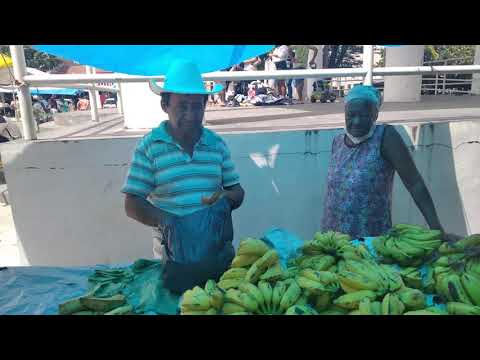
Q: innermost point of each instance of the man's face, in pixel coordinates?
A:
(359, 117)
(186, 112)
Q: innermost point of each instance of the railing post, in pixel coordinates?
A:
(368, 64)
(24, 97)
(93, 99)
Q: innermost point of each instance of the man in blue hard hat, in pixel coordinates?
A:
(183, 183)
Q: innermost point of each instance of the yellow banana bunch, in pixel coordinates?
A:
(195, 300)
(317, 262)
(352, 282)
(230, 308)
(255, 293)
(216, 295)
(310, 285)
(267, 292)
(290, 297)
(352, 300)
(229, 283)
(277, 295)
(458, 308)
(234, 273)
(274, 273)
(261, 265)
(250, 246)
(237, 297)
(241, 261)
(391, 305)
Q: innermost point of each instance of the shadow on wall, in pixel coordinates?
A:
(433, 154)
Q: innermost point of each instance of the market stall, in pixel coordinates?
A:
(408, 271)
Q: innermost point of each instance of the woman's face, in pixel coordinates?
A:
(359, 117)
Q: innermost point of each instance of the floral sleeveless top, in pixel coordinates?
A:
(359, 188)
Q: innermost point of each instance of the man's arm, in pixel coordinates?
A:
(141, 210)
(396, 152)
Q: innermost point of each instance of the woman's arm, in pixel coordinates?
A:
(396, 152)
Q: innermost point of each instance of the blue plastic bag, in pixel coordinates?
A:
(287, 244)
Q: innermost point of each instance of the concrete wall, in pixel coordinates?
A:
(403, 88)
(68, 208)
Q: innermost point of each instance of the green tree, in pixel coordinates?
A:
(36, 59)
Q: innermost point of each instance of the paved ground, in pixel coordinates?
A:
(274, 118)
(9, 255)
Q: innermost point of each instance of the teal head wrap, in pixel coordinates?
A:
(365, 92)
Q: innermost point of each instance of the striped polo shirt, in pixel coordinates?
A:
(173, 181)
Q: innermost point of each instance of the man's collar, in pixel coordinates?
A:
(160, 133)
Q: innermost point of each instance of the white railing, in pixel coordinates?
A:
(367, 72)
(441, 84)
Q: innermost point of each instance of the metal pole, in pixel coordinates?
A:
(93, 99)
(24, 97)
(119, 99)
(444, 80)
(97, 93)
(368, 64)
(436, 84)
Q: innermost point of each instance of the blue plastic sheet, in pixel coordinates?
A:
(149, 60)
(37, 290)
(54, 91)
(287, 244)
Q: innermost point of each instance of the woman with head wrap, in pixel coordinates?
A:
(361, 171)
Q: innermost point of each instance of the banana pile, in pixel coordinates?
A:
(407, 245)
(333, 277)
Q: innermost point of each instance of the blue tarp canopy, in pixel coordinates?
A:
(151, 60)
(54, 91)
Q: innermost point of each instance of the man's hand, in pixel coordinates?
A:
(214, 198)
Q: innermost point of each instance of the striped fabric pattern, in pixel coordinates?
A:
(163, 173)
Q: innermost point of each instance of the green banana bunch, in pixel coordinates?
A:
(413, 299)
(352, 300)
(471, 285)
(323, 301)
(412, 277)
(391, 305)
(456, 292)
(421, 312)
(458, 308)
(352, 282)
(300, 310)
